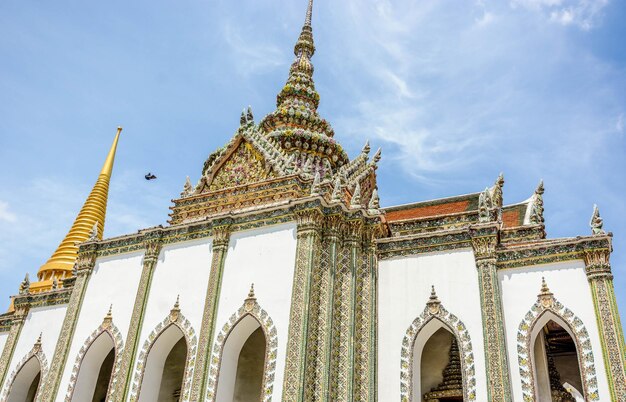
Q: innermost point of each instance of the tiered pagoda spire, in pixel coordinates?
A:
(295, 123)
(91, 216)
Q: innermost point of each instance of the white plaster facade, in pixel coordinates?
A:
(404, 286)
(570, 286)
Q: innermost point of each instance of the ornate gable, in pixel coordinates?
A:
(244, 164)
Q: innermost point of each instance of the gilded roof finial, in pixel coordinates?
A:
(94, 210)
(596, 222)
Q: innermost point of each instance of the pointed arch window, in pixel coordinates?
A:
(554, 349)
(96, 364)
(25, 381)
(243, 361)
(165, 365)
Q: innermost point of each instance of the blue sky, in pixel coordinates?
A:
(454, 92)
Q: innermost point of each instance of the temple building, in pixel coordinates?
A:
(279, 277)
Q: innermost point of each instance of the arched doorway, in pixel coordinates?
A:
(26, 383)
(440, 368)
(242, 363)
(554, 350)
(556, 362)
(437, 357)
(95, 370)
(165, 367)
(247, 347)
(164, 364)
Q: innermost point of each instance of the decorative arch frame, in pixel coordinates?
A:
(547, 304)
(37, 353)
(251, 308)
(177, 319)
(106, 327)
(434, 310)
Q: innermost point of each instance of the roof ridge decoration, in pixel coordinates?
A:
(536, 205)
(596, 222)
(91, 215)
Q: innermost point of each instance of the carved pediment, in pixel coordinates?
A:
(242, 164)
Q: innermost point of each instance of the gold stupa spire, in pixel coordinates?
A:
(91, 214)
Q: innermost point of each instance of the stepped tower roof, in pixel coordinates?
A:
(88, 223)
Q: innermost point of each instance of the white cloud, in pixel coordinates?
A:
(619, 125)
(582, 13)
(253, 55)
(5, 214)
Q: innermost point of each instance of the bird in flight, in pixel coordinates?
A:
(150, 176)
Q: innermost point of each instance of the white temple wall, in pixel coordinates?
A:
(404, 288)
(46, 321)
(113, 281)
(265, 257)
(182, 270)
(569, 284)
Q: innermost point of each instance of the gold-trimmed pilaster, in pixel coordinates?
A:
(364, 321)
(598, 268)
(320, 313)
(152, 244)
(307, 257)
(342, 355)
(85, 263)
(221, 238)
(484, 242)
(17, 323)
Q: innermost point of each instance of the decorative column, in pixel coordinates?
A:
(307, 257)
(598, 268)
(84, 265)
(364, 340)
(121, 385)
(221, 238)
(484, 242)
(320, 313)
(342, 362)
(17, 323)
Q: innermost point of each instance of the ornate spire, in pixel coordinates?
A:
(93, 212)
(596, 222)
(295, 123)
